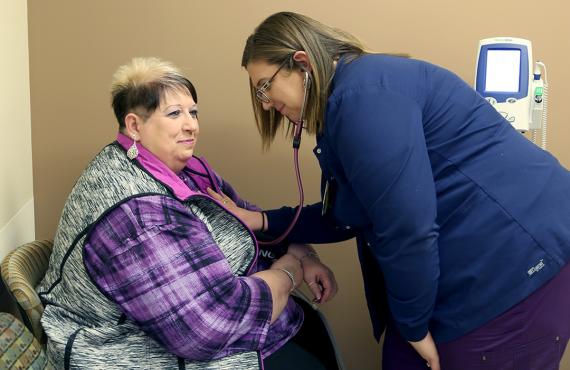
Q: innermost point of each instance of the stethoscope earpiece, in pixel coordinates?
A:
(307, 80)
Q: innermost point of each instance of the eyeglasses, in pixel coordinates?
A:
(261, 92)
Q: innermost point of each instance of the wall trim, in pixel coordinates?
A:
(18, 230)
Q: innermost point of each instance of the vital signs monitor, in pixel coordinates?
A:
(504, 77)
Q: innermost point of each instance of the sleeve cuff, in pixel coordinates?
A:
(413, 334)
(278, 220)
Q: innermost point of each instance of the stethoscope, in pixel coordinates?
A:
(299, 125)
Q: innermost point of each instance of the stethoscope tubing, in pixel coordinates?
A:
(296, 144)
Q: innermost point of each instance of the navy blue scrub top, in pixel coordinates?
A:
(463, 216)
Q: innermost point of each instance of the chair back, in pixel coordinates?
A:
(19, 349)
(315, 335)
(22, 270)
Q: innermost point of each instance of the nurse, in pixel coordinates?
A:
(462, 224)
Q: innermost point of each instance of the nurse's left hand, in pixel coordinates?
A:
(222, 198)
(427, 349)
(253, 219)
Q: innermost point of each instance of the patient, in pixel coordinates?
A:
(150, 271)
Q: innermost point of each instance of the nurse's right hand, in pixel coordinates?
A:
(427, 349)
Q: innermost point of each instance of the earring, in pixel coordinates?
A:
(133, 151)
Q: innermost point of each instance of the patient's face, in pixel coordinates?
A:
(171, 131)
(286, 90)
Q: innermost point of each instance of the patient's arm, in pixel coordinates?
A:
(164, 270)
(280, 282)
(318, 277)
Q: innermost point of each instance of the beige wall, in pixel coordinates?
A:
(76, 45)
(16, 187)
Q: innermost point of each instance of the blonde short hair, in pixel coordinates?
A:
(140, 86)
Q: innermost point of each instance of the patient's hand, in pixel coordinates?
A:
(290, 263)
(319, 278)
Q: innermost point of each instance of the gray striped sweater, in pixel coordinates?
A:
(85, 329)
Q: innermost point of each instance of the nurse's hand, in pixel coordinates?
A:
(253, 219)
(427, 349)
(318, 277)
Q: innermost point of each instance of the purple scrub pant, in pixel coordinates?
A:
(529, 336)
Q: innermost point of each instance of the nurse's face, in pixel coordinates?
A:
(278, 88)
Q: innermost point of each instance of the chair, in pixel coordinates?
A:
(22, 270)
(315, 335)
(19, 349)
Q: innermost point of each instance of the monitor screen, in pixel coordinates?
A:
(503, 69)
